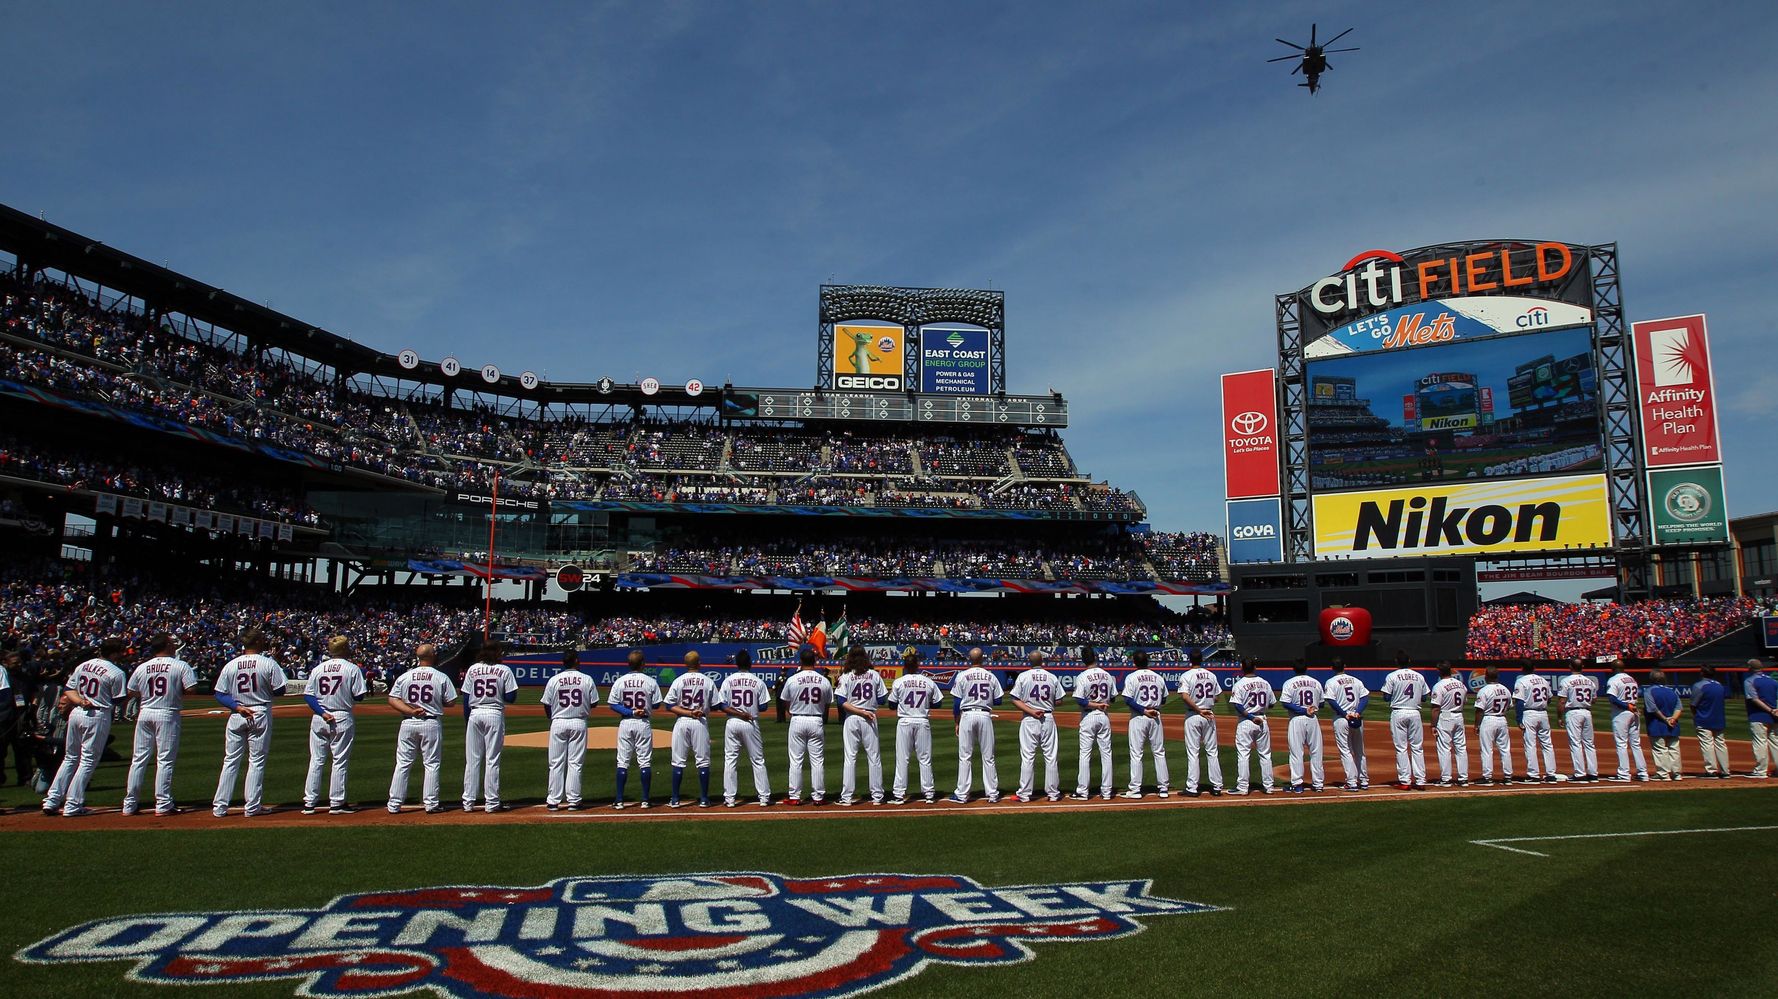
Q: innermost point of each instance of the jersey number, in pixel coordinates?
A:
(325, 685)
(485, 687)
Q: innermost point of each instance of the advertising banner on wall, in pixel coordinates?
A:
(1676, 392)
(868, 358)
(1250, 434)
(1465, 518)
(1686, 506)
(1441, 321)
(1255, 530)
(954, 361)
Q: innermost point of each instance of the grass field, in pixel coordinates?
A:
(1324, 895)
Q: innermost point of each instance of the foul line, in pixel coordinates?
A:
(1496, 843)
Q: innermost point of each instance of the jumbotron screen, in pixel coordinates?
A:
(1501, 407)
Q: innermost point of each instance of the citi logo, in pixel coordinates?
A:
(1533, 318)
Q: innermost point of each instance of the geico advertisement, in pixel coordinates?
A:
(1521, 515)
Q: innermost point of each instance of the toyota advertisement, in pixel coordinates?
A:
(1250, 434)
(1676, 392)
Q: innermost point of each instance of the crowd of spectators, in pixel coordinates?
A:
(1183, 555)
(1644, 630)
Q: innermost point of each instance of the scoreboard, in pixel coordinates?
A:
(883, 407)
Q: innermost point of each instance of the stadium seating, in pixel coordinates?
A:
(1648, 629)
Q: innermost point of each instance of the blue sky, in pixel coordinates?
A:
(660, 188)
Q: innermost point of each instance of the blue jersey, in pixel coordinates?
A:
(1765, 687)
(1661, 702)
(1707, 705)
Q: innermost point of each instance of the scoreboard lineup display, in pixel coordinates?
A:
(1011, 410)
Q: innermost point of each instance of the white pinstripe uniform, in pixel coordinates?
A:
(1040, 689)
(1406, 689)
(421, 736)
(1094, 686)
(1453, 738)
(974, 692)
(1200, 732)
(1253, 733)
(336, 685)
(102, 683)
(744, 696)
(1304, 732)
(161, 684)
(1146, 690)
(1579, 691)
(252, 680)
(806, 696)
(914, 695)
(1344, 692)
(1626, 724)
(1491, 701)
(865, 691)
(485, 688)
(1533, 692)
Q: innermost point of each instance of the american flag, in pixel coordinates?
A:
(798, 633)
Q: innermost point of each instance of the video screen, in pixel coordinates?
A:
(1471, 409)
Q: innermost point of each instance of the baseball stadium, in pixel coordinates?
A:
(357, 665)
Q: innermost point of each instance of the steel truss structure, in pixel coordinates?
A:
(912, 308)
(1616, 365)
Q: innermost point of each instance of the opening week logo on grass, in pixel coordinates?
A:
(745, 934)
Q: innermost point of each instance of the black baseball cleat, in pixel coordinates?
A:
(342, 810)
(309, 809)
(1191, 794)
(1215, 792)
(435, 810)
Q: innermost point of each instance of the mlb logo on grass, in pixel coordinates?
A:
(1256, 531)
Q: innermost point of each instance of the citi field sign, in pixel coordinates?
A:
(1378, 280)
(733, 934)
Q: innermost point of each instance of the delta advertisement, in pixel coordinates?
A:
(1467, 518)
(1687, 506)
(1250, 434)
(1255, 530)
(868, 358)
(1676, 392)
(954, 361)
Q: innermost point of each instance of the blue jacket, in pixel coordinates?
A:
(1661, 701)
(1707, 705)
(1765, 687)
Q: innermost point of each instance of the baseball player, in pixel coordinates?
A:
(1406, 689)
(336, 685)
(742, 696)
(1252, 697)
(634, 697)
(913, 695)
(160, 685)
(974, 692)
(568, 698)
(87, 698)
(807, 693)
(1662, 704)
(1578, 691)
(1490, 720)
(1349, 697)
(1302, 697)
(1532, 694)
(1447, 725)
(1145, 691)
(1625, 695)
(420, 696)
(1094, 689)
(1035, 693)
(860, 691)
(1199, 688)
(1760, 690)
(246, 686)
(688, 699)
(488, 687)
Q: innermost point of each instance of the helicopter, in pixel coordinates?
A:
(1312, 61)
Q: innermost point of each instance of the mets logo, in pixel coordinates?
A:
(737, 934)
(1340, 628)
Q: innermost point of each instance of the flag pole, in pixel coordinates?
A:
(488, 598)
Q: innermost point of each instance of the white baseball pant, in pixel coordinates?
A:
(1253, 734)
(1304, 736)
(1095, 731)
(567, 759)
(975, 734)
(329, 743)
(1201, 748)
(483, 741)
(860, 734)
(913, 735)
(1036, 734)
(1716, 751)
(1492, 733)
(739, 734)
(808, 740)
(1626, 730)
(1536, 728)
(691, 742)
(1453, 746)
(1349, 740)
(1666, 750)
(1409, 736)
(87, 731)
(1579, 723)
(418, 739)
(249, 739)
(1765, 747)
(157, 739)
(1147, 738)
(635, 743)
